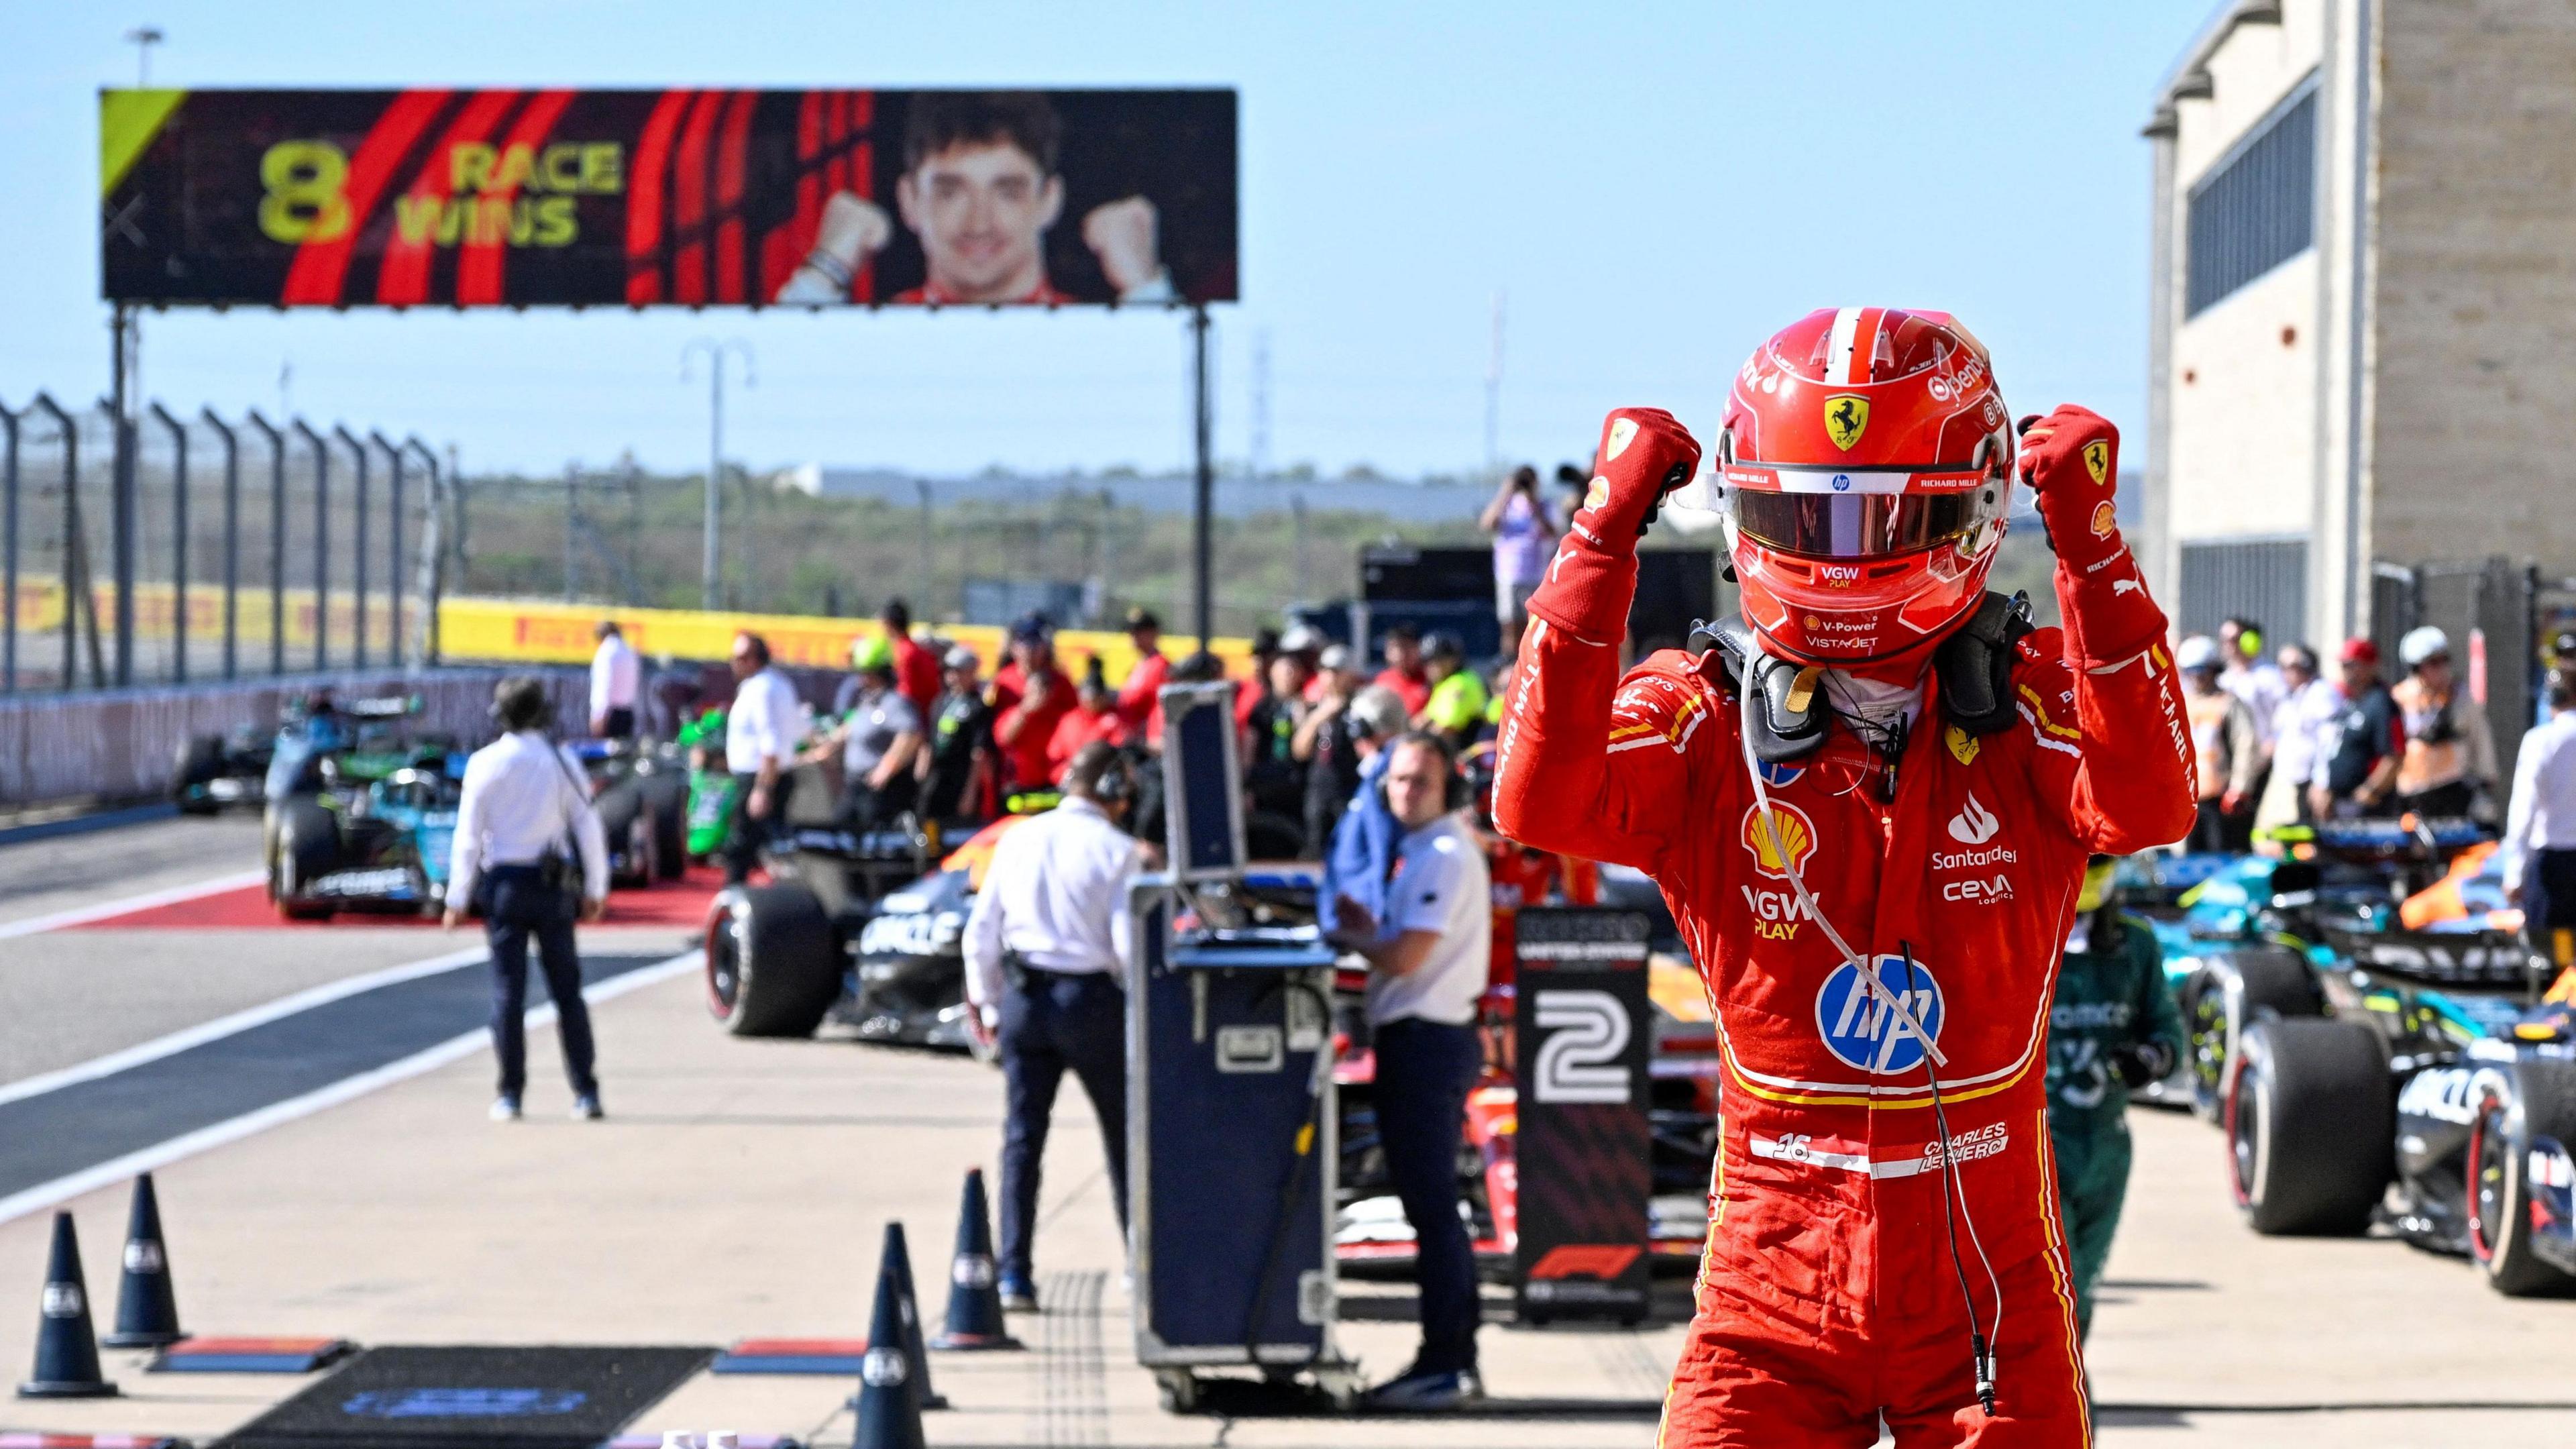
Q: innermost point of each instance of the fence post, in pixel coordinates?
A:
(121, 498)
(358, 451)
(232, 538)
(178, 542)
(276, 541)
(433, 555)
(9, 553)
(75, 576)
(393, 545)
(321, 544)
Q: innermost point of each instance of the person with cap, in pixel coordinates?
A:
(1094, 716)
(1140, 696)
(2359, 742)
(2539, 846)
(1428, 947)
(2112, 1029)
(878, 738)
(530, 854)
(1046, 947)
(763, 727)
(1525, 534)
(2227, 750)
(1030, 694)
(1336, 739)
(1404, 672)
(1362, 849)
(2449, 759)
(616, 683)
(916, 666)
(1456, 704)
(957, 768)
(1305, 643)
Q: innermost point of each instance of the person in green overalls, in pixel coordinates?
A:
(2112, 1028)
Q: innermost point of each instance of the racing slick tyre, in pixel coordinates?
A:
(304, 847)
(2311, 1126)
(773, 961)
(200, 759)
(666, 797)
(2504, 1142)
(628, 827)
(2228, 994)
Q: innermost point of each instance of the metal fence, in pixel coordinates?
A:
(167, 549)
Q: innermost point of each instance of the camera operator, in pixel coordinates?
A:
(1525, 536)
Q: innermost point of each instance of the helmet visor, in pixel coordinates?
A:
(1864, 522)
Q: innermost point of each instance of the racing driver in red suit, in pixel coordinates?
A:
(1870, 808)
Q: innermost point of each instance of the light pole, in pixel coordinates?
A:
(143, 38)
(709, 566)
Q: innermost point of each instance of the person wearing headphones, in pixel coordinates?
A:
(1428, 958)
(2112, 1029)
(524, 817)
(1046, 966)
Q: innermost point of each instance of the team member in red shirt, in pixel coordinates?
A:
(1030, 694)
(1404, 672)
(1140, 699)
(916, 669)
(1094, 717)
(1870, 810)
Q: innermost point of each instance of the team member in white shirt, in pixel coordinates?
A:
(1046, 966)
(526, 804)
(2540, 825)
(763, 728)
(2308, 704)
(616, 682)
(1427, 966)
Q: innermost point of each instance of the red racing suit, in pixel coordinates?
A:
(1827, 1295)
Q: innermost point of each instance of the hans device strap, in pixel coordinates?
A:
(1974, 663)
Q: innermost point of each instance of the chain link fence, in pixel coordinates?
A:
(169, 548)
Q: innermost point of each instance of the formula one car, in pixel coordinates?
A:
(365, 843)
(245, 768)
(641, 793)
(2431, 1061)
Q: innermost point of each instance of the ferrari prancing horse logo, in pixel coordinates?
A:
(2097, 459)
(1846, 414)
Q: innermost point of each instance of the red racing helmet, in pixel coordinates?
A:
(1863, 472)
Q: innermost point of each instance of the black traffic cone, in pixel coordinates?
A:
(974, 1297)
(899, 1259)
(66, 1353)
(889, 1404)
(147, 1312)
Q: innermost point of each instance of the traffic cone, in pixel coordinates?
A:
(914, 1352)
(66, 1353)
(974, 1298)
(147, 1312)
(889, 1404)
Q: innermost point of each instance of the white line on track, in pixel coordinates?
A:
(81, 916)
(239, 1021)
(160, 1154)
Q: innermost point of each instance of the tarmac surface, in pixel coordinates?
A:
(740, 1189)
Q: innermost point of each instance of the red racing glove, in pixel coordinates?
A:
(2071, 459)
(1644, 455)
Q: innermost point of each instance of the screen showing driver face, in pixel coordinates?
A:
(980, 211)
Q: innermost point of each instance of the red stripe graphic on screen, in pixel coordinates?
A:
(497, 224)
(421, 214)
(732, 153)
(689, 203)
(320, 269)
(644, 190)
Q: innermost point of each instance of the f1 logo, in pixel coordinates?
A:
(1580, 1060)
(1604, 1261)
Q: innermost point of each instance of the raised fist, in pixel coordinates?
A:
(1123, 235)
(853, 229)
(1645, 453)
(2071, 460)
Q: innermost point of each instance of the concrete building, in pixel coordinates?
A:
(2363, 331)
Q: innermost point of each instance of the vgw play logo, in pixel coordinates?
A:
(1861, 1026)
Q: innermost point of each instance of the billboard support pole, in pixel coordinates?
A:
(1202, 502)
(121, 485)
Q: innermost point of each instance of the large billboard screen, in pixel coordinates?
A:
(641, 198)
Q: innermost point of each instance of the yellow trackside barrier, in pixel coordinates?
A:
(527, 631)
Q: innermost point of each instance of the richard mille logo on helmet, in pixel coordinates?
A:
(1846, 415)
(1782, 843)
(1974, 824)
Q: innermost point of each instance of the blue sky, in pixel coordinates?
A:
(1652, 192)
